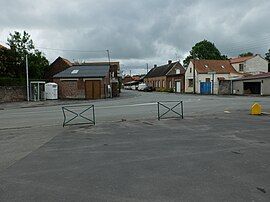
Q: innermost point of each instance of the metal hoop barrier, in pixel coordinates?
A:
(162, 104)
(90, 120)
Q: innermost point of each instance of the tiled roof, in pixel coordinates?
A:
(240, 59)
(217, 66)
(84, 72)
(163, 70)
(1, 46)
(257, 76)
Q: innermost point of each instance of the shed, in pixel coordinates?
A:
(83, 82)
(254, 84)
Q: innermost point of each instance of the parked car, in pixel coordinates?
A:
(145, 87)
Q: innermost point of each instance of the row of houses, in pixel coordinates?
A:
(241, 75)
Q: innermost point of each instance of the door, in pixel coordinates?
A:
(178, 86)
(92, 89)
(252, 87)
(205, 87)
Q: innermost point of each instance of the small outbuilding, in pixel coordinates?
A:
(84, 82)
(255, 84)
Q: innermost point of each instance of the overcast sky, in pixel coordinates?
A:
(138, 31)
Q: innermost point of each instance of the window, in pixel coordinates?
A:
(190, 83)
(75, 71)
(190, 70)
(170, 84)
(241, 67)
(177, 71)
(157, 84)
(207, 80)
(163, 84)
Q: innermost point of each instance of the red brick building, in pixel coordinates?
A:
(84, 82)
(167, 77)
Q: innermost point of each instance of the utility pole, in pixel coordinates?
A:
(27, 78)
(146, 68)
(194, 82)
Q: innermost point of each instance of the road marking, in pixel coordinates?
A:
(133, 105)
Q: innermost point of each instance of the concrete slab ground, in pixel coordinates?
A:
(218, 157)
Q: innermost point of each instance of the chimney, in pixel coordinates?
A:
(155, 66)
(169, 61)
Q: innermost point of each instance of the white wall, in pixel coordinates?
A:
(254, 65)
(189, 75)
(238, 86)
(202, 78)
(257, 64)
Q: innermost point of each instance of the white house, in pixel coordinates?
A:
(207, 75)
(250, 64)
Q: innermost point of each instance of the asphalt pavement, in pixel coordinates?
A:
(218, 152)
(195, 159)
(131, 105)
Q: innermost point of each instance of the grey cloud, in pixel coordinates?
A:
(142, 30)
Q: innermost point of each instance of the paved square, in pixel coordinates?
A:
(220, 157)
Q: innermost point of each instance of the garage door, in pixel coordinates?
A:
(252, 87)
(92, 89)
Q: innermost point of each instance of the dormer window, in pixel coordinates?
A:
(75, 71)
(206, 66)
(222, 66)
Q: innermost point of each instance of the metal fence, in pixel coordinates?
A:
(170, 106)
(82, 114)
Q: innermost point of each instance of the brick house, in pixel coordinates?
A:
(61, 64)
(83, 82)
(168, 77)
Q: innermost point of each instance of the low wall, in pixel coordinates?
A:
(12, 93)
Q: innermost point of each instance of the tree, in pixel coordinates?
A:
(246, 54)
(267, 55)
(21, 45)
(204, 50)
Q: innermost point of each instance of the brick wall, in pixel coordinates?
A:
(12, 93)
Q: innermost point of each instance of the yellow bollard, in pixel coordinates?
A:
(256, 109)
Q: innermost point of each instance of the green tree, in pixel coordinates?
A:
(21, 45)
(267, 55)
(204, 50)
(246, 54)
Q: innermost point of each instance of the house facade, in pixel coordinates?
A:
(250, 64)
(84, 82)
(208, 75)
(167, 77)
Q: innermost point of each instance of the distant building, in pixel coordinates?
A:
(169, 76)
(208, 75)
(60, 64)
(250, 64)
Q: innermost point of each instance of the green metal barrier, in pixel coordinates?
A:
(164, 104)
(70, 109)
